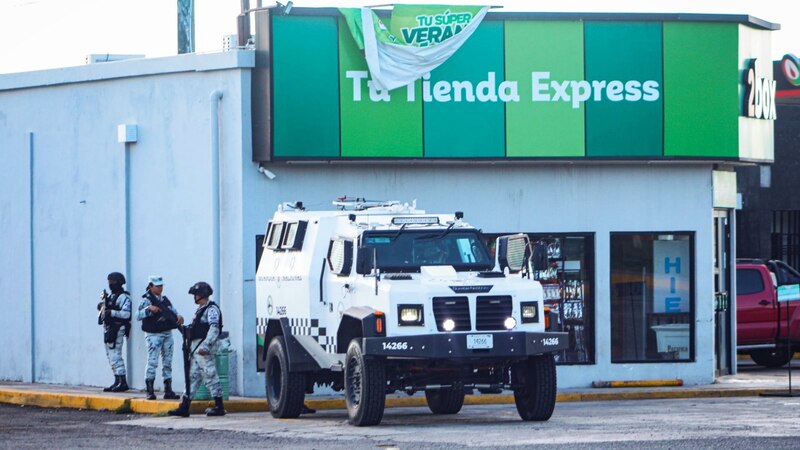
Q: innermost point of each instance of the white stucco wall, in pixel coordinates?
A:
(68, 189)
(59, 244)
(547, 198)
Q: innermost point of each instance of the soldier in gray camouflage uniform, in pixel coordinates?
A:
(205, 330)
(116, 320)
(159, 317)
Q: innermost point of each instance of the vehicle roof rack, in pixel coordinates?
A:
(361, 204)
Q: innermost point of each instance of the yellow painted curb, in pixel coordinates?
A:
(637, 383)
(143, 406)
(62, 400)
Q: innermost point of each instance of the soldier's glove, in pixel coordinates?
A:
(99, 306)
(108, 313)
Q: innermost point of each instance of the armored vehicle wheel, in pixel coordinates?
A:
(446, 400)
(364, 386)
(772, 357)
(534, 381)
(285, 391)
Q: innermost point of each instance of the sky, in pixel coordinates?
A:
(45, 34)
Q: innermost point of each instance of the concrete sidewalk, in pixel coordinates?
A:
(751, 382)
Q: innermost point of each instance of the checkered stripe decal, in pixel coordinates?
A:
(310, 327)
(261, 325)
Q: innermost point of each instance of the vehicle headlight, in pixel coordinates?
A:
(510, 323)
(529, 312)
(448, 324)
(410, 315)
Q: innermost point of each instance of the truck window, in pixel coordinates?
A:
(340, 256)
(407, 250)
(749, 281)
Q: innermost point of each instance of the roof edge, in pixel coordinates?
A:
(190, 62)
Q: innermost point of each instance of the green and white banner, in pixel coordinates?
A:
(417, 39)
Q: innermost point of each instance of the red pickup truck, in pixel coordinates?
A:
(761, 328)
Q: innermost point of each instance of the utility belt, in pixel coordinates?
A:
(111, 329)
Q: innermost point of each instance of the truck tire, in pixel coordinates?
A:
(771, 357)
(534, 381)
(285, 391)
(446, 400)
(364, 386)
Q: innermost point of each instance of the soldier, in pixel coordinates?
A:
(158, 318)
(205, 330)
(115, 316)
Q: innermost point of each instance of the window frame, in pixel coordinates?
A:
(692, 235)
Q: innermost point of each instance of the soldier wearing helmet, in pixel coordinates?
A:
(205, 331)
(115, 316)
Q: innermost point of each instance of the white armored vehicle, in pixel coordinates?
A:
(379, 297)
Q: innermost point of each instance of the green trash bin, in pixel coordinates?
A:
(222, 371)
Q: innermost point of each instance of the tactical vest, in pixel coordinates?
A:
(158, 322)
(113, 306)
(200, 328)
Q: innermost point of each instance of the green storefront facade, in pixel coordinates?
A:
(524, 86)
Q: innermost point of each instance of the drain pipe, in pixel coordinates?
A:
(31, 249)
(215, 98)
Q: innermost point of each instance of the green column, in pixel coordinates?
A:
(543, 129)
(305, 92)
(625, 118)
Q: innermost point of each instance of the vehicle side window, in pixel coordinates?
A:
(749, 281)
(274, 235)
(340, 256)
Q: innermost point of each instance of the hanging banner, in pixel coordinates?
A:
(417, 40)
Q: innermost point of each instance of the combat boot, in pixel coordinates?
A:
(218, 409)
(183, 410)
(113, 386)
(149, 385)
(169, 394)
(122, 386)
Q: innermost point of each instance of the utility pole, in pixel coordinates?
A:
(185, 26)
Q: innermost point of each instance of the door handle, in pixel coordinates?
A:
(764, 302)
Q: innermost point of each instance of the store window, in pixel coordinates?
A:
(564, 265)
(652, 297)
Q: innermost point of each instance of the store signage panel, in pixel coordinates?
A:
(305, 97)
(463, 99)
(724, 186)
(373, 129)
(559, 128)
(629, 120)
(671, 280)
(759, 93)
(701, 93)
(790, 66)
(515, 89)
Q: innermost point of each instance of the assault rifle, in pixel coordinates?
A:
(186, 334)
(166, 312)
(104, 300)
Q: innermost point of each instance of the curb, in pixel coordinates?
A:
(160, 407)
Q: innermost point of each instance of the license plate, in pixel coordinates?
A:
(476, 341)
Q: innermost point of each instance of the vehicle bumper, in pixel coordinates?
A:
(505, 344)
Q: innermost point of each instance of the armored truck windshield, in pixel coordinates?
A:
(407, 250)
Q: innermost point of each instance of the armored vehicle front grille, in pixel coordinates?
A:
(455, 308)
(492, 311)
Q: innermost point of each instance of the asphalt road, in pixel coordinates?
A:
(722, 423)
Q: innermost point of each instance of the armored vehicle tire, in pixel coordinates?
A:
(771, 357)
(285, 391)
(446, 400)
(364, 386)
(534, 381)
